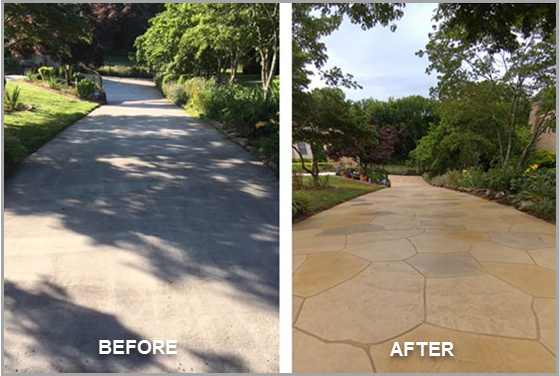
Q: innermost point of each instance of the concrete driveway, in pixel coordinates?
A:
(139, 222)
(417, 263)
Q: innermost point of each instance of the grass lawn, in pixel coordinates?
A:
(339, 190)
(121, 66)
(51, 114)
(252, 80)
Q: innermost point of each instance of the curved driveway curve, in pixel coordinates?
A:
(418, 263)
(139, 222)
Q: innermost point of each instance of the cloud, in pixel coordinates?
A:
(384, 62)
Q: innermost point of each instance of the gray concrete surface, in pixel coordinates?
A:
(139, 222)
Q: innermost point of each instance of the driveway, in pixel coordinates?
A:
(417, 263)
(139, 222)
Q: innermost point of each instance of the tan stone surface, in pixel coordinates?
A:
(323, 271)
(430, 243)
(313, 356)
(522, 240)
(390, 250)
(492, 252)
(446, 264)
(462, 235)
(472, 353)
(545, 257)
(443, 265)
(317, 244)
(297, 261)
(297, 303)
(545, 311)
(384, 300)
(531, 279)
(379, 236)
(480, 304)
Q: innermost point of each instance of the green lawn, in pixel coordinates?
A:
(339, 190)
(121, 66)
(27, 131)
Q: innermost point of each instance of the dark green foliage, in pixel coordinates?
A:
(300, 204)
(85, 88)
(11, 99)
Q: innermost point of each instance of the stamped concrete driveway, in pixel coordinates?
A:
(139, 222)
(417, 263)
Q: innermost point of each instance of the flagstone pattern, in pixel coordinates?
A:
(421, 263)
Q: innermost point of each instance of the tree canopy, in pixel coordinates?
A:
(211, 39)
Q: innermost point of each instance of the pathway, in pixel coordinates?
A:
(139, 222)
(418, 263)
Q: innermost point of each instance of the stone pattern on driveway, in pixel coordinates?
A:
(420, 263)
(140, 222)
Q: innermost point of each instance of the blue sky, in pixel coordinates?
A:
(384, 62)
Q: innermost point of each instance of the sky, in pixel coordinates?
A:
(383, 62)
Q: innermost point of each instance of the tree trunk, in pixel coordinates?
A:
(234, 65)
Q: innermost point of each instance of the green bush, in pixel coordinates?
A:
(500, 178)
(300, 204)
(30, 75)
(175, 92)
(240, 107)
(14, 151)
(168, 78)
(11, 100)
(537, 187)
(85, 88)
(46, 73)
(545, 158)
(197, 90)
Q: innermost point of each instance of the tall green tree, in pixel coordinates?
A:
(311, 22)
(33, 26)
(209, 39)
(516, 72)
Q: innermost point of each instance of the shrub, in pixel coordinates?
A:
(175, 92)
(46, 73)
(11, 100)
(85, 88)
(545, 158)
(52, 82)
(239, 107)
(197, 90)
(537, 187)
(30, 75)
(168, 78)
(300, 204)
(499, 178)
(14, 151)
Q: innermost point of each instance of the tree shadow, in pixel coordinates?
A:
(66, 334)
(148, 182)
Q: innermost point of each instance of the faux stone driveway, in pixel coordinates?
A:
(419, 263)
(139, 222)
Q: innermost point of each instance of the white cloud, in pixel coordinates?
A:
(384, 62)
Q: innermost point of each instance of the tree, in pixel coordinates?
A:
(369, 144)
(411, 116)
(461, 54)
(209, 39)
(325, 124)
(34, 26)
(311, 22)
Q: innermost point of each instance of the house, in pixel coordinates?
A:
(548, 139)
